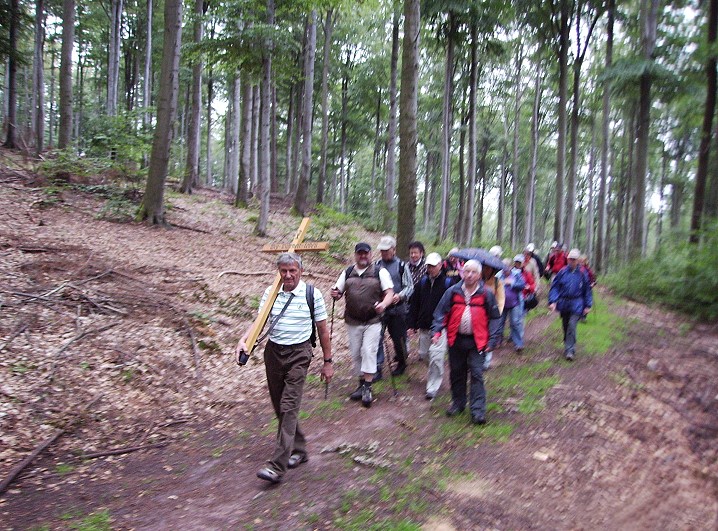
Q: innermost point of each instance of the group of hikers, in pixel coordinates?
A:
(457, 306)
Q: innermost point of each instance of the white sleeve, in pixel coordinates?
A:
(341, 281)
(385, 279)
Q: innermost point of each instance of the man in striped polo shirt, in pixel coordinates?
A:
(286, 358)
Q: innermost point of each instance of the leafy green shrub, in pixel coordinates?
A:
(680, 276)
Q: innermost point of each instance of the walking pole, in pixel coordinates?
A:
(386, 359)
(331, 333)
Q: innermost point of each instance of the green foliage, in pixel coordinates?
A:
(335, 227)
(63, 469)
(63, 163)
(99, 521)
(529, 382)
(680, 276)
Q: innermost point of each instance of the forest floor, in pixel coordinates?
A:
(117, 335)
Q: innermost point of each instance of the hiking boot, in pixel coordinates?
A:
(377, 376)
(478, 419)
(267, 474)
(297, 459)
(454, 410)
(366, 396)
(356, 395)
(399, 370)
(570, 356)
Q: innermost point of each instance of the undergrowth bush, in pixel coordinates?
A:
(681, 276)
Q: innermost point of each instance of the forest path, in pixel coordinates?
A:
(622, 438)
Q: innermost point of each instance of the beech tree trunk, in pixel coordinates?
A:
(471, 170)
(390, 185)
(38, 78)
(246, 145)
(191, 174)
(300, 199)
(321, 182)
(446, 128)
(563, 46)
(12, 75)
(531, 184)
(68, 40)
(264, 182)
(152, 207)
(408, 135)
(600, 261)
(707, 129)
(113, 66)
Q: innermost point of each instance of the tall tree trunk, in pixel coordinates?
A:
(343, 141)
(264, 183)
(321, 182)
(447, 127)
(68, 40)
(408, 136)
(377, 152)
(390, 184)
(51, 122)
(515, 154)
(246, 145)
(503, 171)
(649, 23)
(563, 46)
(590, 185)
(273, 177)
(707, 129)
(471, 170)
(290, 140)
(210, 95)
(152, 207)
(12, 75)
(254, 157)
(531, 185)
(113, 65)
(300, 200)
(234, 127)
(601, 232)
(461, 184)
(38, 78)
(147, 85)
(191, 174)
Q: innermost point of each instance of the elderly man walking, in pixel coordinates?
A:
(394, 319)
(368, 293)
(464, 311)
(427, 294)
(286, 359)
(571, 295)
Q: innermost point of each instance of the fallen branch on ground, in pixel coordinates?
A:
(22, 465)
(18, 330)
(195, 349)
(120, 451)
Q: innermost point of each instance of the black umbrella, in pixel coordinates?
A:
(482, 255)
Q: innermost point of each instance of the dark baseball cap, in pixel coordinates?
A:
(362, 246)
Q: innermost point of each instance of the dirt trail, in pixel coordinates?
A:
(623, 440)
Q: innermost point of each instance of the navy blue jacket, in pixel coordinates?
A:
(425, 299)
(571, 291)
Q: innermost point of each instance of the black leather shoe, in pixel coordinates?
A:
(478, 419)
(454, 410)
(356, 395)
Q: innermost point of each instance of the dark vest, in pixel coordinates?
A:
(361, 293)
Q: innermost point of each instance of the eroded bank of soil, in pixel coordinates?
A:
(100, 316)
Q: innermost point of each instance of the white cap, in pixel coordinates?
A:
(574, 253)
(530, 247)
(434, 259)
(496, 250)
(554, 245)
(519, 258)
(386, 243)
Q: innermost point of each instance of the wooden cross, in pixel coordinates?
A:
(295, 247)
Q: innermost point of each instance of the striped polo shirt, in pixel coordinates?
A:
(295, 326)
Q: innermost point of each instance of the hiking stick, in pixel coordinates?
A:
(387, 357)
(331, 334)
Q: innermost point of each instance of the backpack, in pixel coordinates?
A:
(310, 303)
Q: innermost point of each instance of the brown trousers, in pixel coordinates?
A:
(287, 367)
